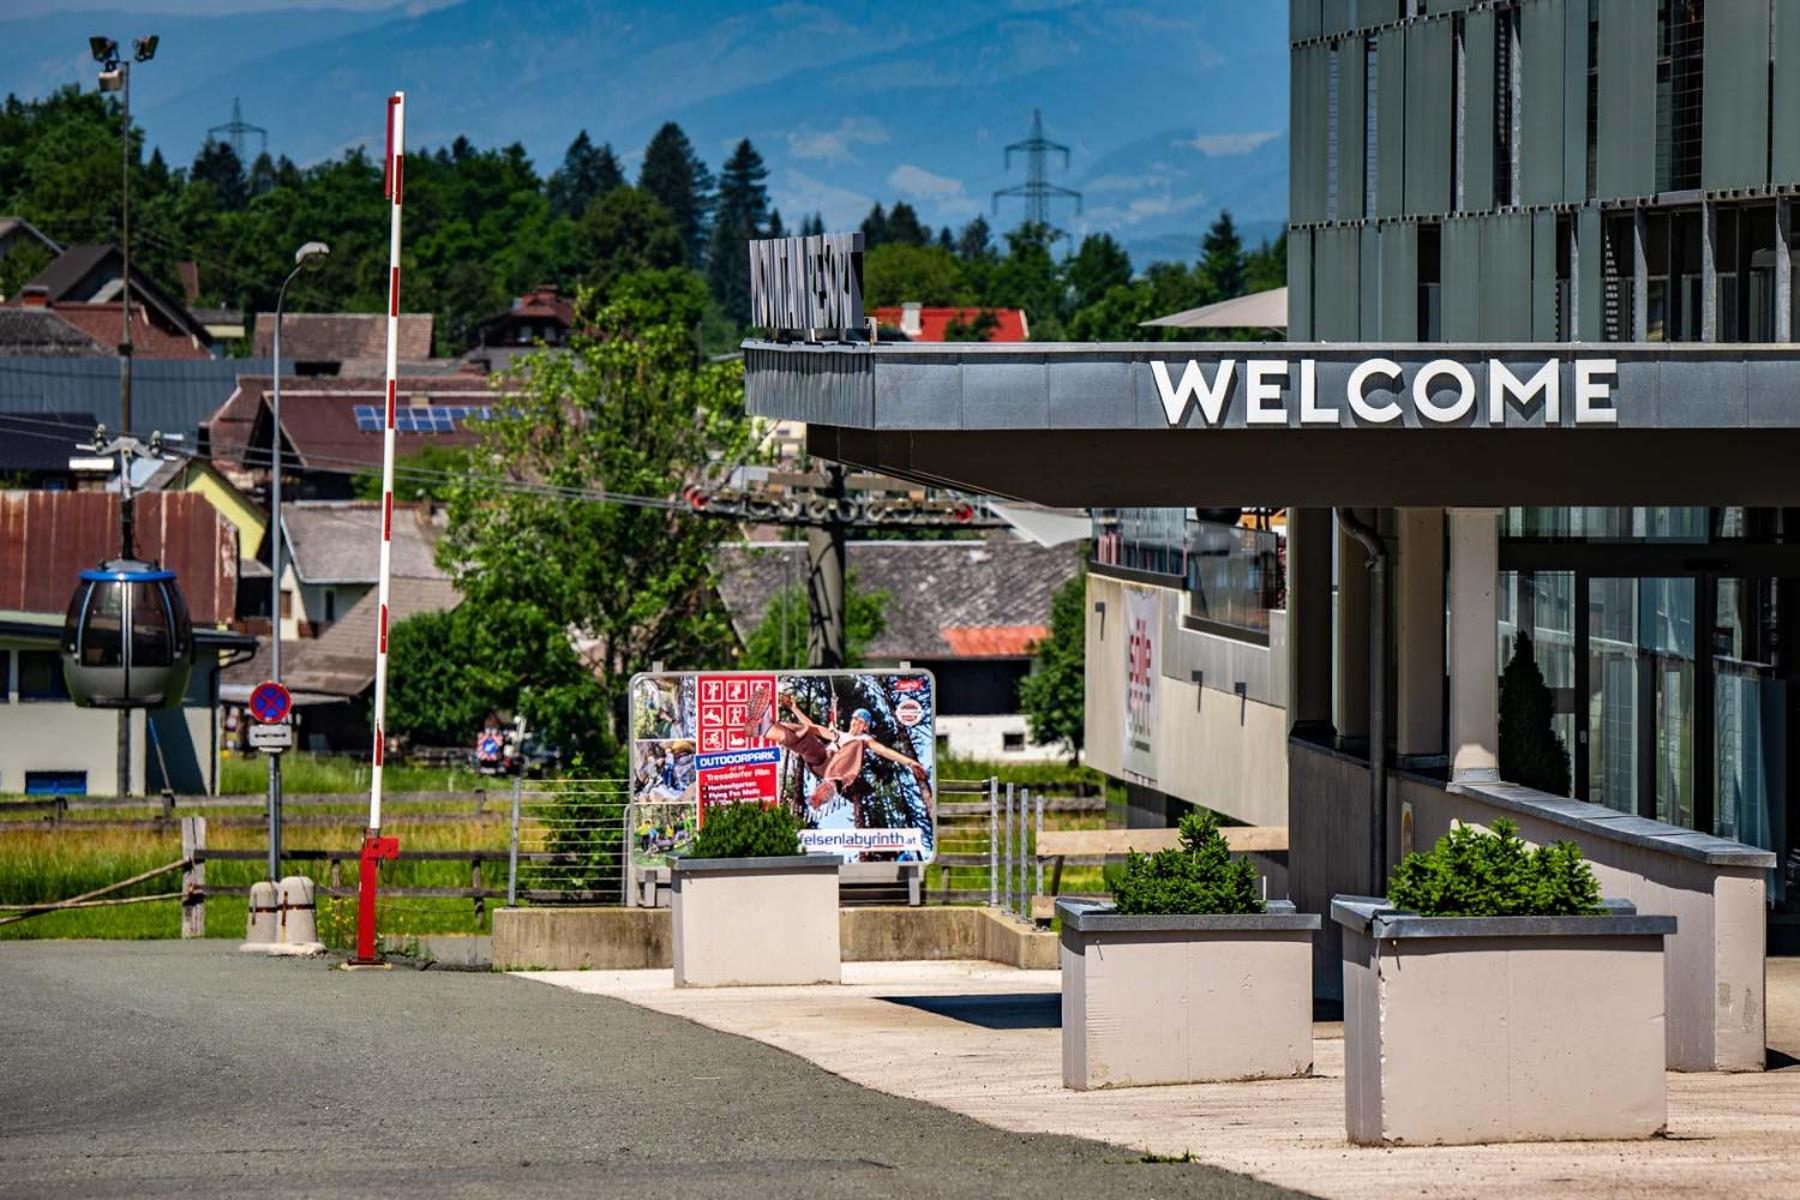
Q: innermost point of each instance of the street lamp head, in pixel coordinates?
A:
(112, 79)
(310, 251)
(146, 48)
(104, 49)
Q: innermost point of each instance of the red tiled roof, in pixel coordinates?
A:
(149, 339)
(994, 641)
(48, 538)
(933, 322)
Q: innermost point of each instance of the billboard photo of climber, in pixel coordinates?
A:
(851, 752)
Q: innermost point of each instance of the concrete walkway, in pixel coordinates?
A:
(983, 1040)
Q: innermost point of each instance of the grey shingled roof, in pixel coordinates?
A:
(40, 333)
(340, 541)
(342, 337)
(999, 583)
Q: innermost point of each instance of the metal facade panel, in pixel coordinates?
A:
(1446, 6)
(1506, 277)
(1461, 276)
(1309, 98)
(1784, 141)
(1575, 100)
(1430, 102)
(1543, 276)
(1589, 304)
(1303, 19)
(1541, 116)
(1300, 289)
(1336, 16)
(1390, 122)
(1368, 275)
(1376, 12)
(1353, 65)
(1478, 111)
(1399, 283)
(1625, 127)
(1336, 259)
(1734, 112)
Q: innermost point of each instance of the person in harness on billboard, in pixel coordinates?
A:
(835, 757)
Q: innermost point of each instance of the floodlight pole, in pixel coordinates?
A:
(376, 847)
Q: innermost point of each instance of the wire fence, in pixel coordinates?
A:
(569, 839)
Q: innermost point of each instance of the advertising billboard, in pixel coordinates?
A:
(852, 753)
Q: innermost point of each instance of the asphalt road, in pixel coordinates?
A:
(182, 1068)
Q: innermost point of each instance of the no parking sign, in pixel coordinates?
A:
(270, 703)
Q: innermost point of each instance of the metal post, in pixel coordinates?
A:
(1036, 858)
(127, 540)
(825, 579)
(512, 857)
(993, 842)
(1007, 857)
(275, 592)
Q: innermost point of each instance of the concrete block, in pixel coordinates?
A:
(1158, 1000)
(1456, 1034)
(756, 921)
(263, 925)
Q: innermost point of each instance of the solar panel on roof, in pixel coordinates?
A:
(368, 418)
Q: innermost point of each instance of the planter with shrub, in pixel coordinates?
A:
(1187, 976)
(1492, 996)
(749, 907)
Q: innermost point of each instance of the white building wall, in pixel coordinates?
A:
(984, 738)
(1211, 745)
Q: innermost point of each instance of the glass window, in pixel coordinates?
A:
(41, 676)
(152, 627)
(1612, 693)
(1235, 574)
(102, 634)
(1666, 639)
(1750, 719)
(5, 676)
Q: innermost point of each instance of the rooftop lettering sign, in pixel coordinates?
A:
(1379, 391)
(807, 284)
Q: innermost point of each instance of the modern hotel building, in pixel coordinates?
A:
(1539, 385)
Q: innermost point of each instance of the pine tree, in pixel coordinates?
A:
(1531, 751)
(904, 226)
(946, 240)
(1222, 258)
(775, 229)
(587, 173)
(812, 226)
(1052, 695)
(262, 175)
(976, 242)
(217, 164)
(742, 213)
(1100, 265)
(875, 228)
(674, 175)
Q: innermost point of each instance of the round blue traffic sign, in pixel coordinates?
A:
(270, 703)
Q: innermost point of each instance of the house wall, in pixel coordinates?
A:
(234, 506)
(55, 735)
(1213, 746)
(984, 738)
(307, 616)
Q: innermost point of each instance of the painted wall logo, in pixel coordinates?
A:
(1380, 391)
(1143, 663)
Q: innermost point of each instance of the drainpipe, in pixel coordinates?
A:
(1378, 766)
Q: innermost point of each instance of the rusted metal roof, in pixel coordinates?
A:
(48, 538)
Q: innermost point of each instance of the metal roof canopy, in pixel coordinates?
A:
(1084, 424)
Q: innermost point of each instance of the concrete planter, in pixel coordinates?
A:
(1501, 1029)
(1184, 999)
(756, 920)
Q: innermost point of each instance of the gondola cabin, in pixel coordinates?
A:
(127, 641)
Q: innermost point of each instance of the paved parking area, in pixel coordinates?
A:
(983, 1040)
(186, 1069)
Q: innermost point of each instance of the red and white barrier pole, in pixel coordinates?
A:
(375, 847)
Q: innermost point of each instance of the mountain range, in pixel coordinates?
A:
(1170, 109)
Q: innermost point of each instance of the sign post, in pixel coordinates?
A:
(375, 847)
(270, 705)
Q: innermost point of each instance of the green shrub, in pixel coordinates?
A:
(1472, 873)
(1200, 877)
(747, 831)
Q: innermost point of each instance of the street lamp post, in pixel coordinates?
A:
(115, 76)
(305, 254)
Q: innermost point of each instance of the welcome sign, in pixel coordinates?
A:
(1379, 391)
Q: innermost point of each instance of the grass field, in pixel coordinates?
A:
(42, 862)
(305, 773)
